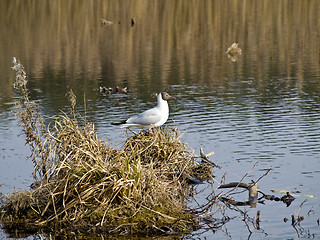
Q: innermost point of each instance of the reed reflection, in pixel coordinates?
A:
(171, 42)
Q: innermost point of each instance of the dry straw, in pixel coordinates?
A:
(83, 183)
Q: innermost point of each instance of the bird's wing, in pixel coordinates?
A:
(151, 116)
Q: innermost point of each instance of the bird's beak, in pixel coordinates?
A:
(172, 98)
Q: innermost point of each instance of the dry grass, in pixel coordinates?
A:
(83, 183)
(84, 186)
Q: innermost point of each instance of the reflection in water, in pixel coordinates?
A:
(265, 107)
(178, 42)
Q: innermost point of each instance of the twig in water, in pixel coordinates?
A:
(205, 158)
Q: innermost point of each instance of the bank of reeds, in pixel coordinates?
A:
(81, 183)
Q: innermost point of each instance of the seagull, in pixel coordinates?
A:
(153, 117)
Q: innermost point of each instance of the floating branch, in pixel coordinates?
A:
(205, 158)
(233, 52)
(105, 22)
(251, 187)
(253, 194)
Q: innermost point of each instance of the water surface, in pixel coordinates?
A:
(264, 108)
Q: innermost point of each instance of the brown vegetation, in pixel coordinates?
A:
(85, 184)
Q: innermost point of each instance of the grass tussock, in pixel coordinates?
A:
(83, 183)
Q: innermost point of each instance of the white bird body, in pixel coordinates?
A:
(153, 117)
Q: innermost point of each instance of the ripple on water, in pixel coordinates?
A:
(252, 125)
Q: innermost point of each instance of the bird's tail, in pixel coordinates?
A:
(119, 122)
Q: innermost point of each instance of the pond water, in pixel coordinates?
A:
(263, 109)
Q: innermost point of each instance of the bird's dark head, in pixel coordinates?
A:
(166, 96)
